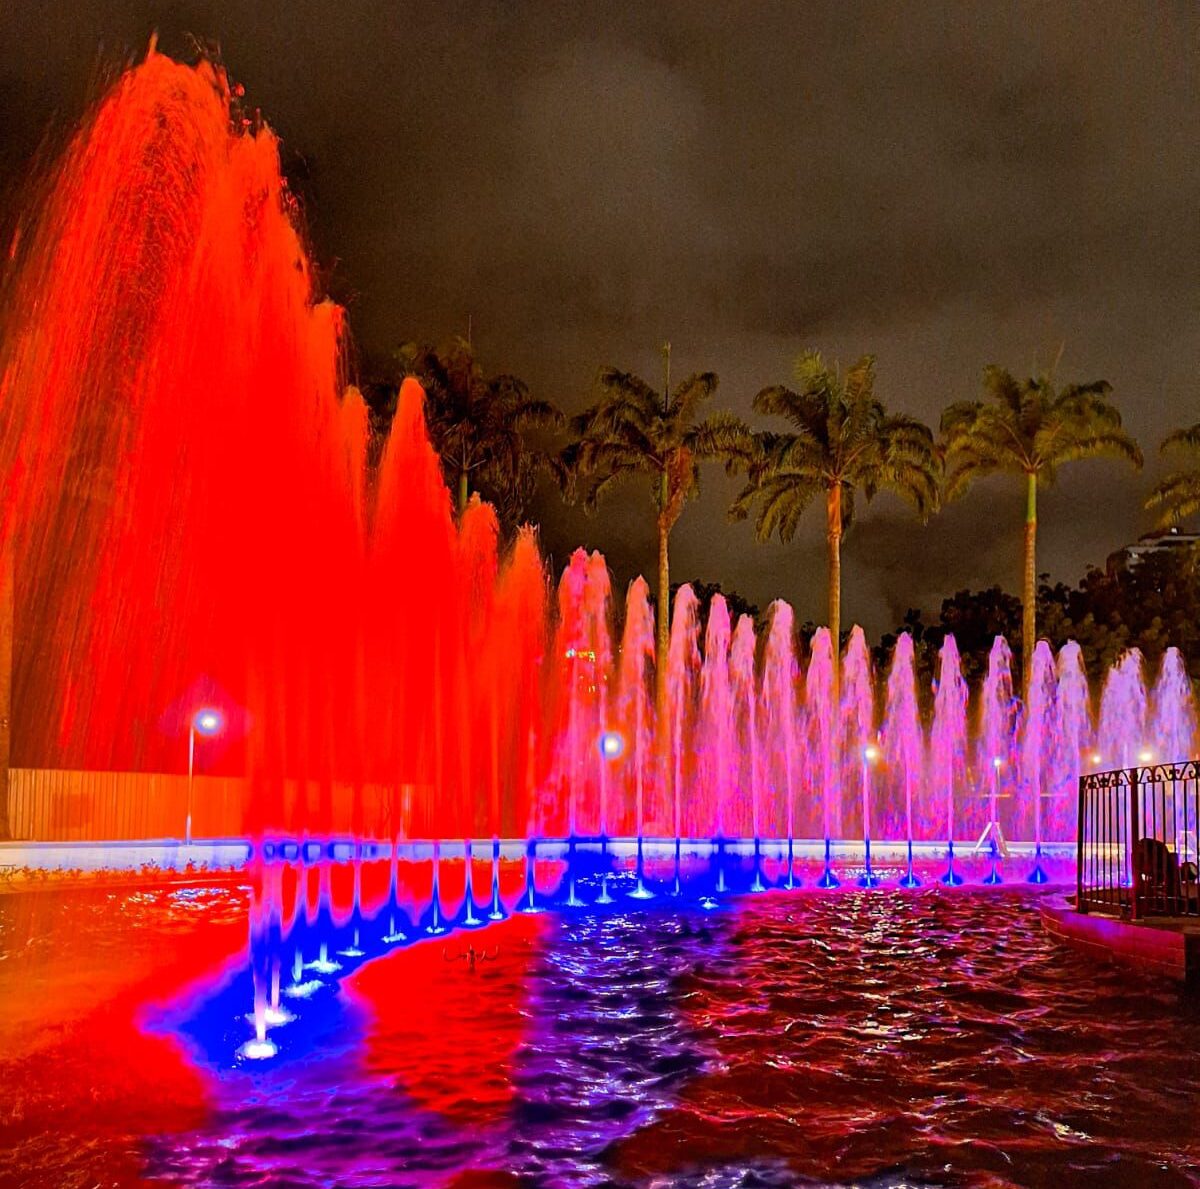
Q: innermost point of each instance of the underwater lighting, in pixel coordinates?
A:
(303, 990)
(273, 1017)
(611, 745)
(258, 1050)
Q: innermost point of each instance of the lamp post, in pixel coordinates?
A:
(870, 754)
(206, 722)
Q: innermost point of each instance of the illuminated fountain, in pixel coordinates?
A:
(193, 521)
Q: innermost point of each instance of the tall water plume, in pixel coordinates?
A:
(1075, 742)
(186, 500)
(858, 750)
(745, 762)
(714, 741)
(903, 740)
(683, 684)
(1037, 744)
(996, 754)
(823, 802)
(1121, 734)
(783, 725)
(948, 746)
(1173, 715)
(646, 812)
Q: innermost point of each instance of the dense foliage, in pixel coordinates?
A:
(1150, 606)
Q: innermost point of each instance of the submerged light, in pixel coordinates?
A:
(258, 1050)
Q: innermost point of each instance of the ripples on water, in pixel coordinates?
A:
(855, 1038)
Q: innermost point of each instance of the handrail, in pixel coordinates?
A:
(1136, 845)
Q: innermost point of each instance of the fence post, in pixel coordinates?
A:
(1135, 851)
(1080, 900)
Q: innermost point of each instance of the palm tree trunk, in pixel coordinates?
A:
(464, 491)
(1029, 587)
(833, 534)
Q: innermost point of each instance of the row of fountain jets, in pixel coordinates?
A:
(754, 744)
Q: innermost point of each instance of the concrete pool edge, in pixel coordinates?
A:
(1165, 947)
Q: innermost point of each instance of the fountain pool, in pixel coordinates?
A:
(917, 1038)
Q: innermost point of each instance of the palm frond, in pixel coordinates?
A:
(611, 477)
(859, 382)
(1187, 438)
(807, 411)
(726, 437)
(1001, 386)
(1102, 444)
(689, 396)
(1177, 495)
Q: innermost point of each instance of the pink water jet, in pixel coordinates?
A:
(948, 744)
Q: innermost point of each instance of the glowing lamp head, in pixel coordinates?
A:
(1145, 755)
(870, 753)
(207, 721)
(997, 762)
(1096, 758)
(611, 745)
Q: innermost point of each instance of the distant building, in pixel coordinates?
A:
(1172, 541)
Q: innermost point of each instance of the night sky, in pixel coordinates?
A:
(943, 186)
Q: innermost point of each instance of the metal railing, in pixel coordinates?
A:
(1137, 841)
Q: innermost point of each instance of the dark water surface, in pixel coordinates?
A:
(790, 1039)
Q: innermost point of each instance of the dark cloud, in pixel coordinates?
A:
(942, 185)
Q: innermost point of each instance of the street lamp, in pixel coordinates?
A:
(206, 722)
(870, 754)
(611, 745)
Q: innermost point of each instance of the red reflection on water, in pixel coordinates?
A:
(446, 1018)
(84, 1084)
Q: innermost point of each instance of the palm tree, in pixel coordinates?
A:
(477, 425)
(1030, 428)
(632, 429)
(1178, 495)
(842, 441)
